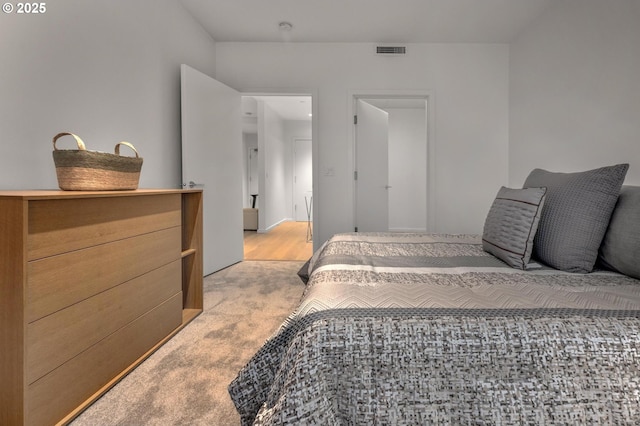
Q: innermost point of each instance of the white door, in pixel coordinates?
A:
(212, 159)
(372, 168)
(303, 180)
(408, 168)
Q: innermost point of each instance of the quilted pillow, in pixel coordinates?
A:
(575, 215)
(511, 225)
(620, 249)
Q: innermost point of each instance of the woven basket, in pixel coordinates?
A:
(83, 170)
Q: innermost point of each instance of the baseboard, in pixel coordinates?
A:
(281, 221)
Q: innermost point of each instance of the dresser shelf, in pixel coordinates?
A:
(189, 252)
(92, 284)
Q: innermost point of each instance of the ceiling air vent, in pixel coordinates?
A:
(391, 50)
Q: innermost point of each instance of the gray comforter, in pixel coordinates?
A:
(405, 329)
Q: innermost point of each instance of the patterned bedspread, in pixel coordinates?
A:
(407, 329)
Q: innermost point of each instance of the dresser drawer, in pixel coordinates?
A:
(63, 225)
(56, 282)
(58, 337)
(52, 397)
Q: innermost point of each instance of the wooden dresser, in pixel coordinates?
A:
(91, 284)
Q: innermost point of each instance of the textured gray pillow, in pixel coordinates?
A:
(620, 249)
(575, 215)
(511, 225)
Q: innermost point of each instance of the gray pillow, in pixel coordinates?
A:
(575, 215)
(511, 225)
(620, 249)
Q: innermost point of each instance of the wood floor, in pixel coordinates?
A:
(287, 241)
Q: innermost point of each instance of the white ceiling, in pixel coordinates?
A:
(287, 107)
(376, 21)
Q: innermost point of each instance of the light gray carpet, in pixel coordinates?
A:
(185, 381)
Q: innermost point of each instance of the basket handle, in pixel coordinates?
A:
(126, 144)
(76, 137)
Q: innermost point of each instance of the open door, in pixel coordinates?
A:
(212, 160)
(372, 168)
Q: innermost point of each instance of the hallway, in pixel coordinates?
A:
(287, 241)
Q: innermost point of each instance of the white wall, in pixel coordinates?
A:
(407, 169)
(469, 84)
(106, 72)
(565, 95)
(297, 129)
(575, 89)
(282, 135)
(274, 197)
(294, 129)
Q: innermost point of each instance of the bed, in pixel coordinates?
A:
(398, 328)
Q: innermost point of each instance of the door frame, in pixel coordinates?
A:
(429, 98)
(313, 93)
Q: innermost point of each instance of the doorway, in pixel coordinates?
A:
(279, 129)
(212, 158)
(391, 162)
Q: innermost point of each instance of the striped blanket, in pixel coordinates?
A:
(429, 329)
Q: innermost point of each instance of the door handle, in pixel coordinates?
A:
(387, 186)
(192, 184)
